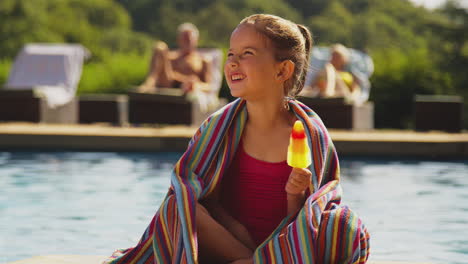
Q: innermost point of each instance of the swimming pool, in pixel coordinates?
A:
(91, 203)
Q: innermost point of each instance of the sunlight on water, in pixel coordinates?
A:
(92, 203)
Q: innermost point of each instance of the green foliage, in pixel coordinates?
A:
(309, 8)
(221, 30)
(397, 78)
(216, 19)
(454, 54)
(24, 24)
(333, 25)
(5, 66)
(370, 25)
(122, 41)
(415, 51)
(102, 26)
(117, 74)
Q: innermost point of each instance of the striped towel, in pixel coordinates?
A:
(323, 231)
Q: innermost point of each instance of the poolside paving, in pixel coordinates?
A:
(80, 259)
(99, 137)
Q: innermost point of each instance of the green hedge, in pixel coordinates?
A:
(398, 77)
(115, 74)
(4, 71)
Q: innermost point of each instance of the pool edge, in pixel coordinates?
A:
(175, 138)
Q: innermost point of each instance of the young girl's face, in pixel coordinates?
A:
(250, 68)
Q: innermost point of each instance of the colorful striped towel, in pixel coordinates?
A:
(323, 231)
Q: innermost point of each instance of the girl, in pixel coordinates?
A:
(233, 199)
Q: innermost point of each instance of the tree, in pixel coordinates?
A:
(160, 18)
(334, 25)
(102, 26)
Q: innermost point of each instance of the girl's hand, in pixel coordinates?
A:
(299, 180)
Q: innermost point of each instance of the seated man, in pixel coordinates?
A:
(333, 80)
(184, 68)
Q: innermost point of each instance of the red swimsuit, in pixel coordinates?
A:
(253, 193)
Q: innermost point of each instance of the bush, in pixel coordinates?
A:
(115, 74)
(398, 77)
(4, 71)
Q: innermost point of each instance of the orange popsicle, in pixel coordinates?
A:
(298, 150)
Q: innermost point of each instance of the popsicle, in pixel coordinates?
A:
(298, 150)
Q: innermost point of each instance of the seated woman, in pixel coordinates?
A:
(333, 80)
(184, 68)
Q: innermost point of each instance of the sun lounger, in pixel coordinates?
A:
(438, 112)
(360, 65)
(104, 108)
(42, 84)
(338, 114)
(170, 106)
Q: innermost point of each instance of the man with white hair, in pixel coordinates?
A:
(184, 68)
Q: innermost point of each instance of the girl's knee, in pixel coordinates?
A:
(201, 209)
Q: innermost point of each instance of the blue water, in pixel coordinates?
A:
(91, 203)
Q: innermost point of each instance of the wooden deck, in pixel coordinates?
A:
(80, 259)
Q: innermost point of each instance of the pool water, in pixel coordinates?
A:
(414, 210)
(91, 203)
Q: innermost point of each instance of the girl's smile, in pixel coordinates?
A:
(237, 77)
